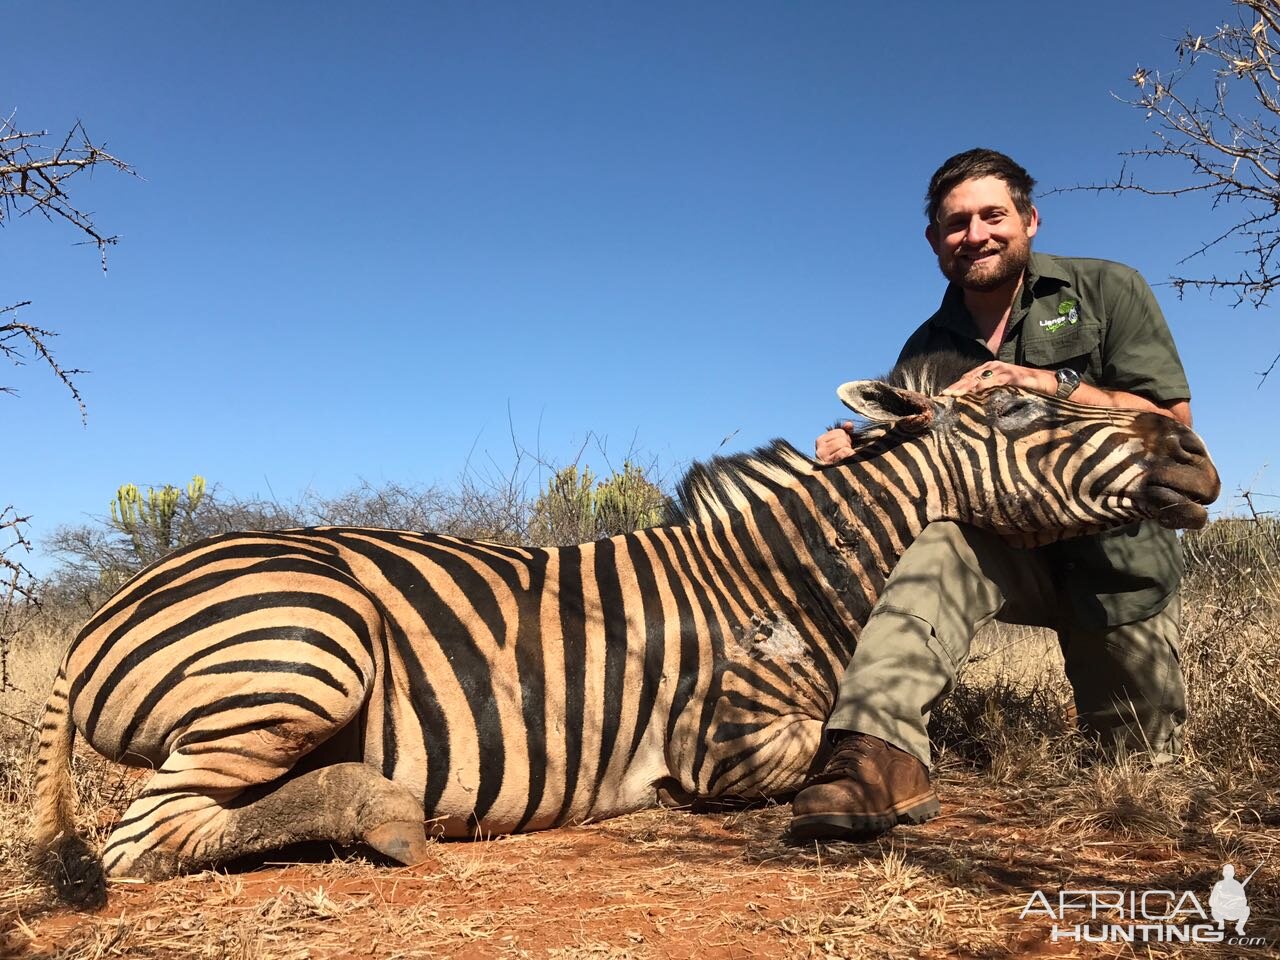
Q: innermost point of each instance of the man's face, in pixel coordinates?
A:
(981, 240)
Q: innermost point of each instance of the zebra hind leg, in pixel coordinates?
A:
(249, 722)
(171, 830)
(343, 803)
(229, 791)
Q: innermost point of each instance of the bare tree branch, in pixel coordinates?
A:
(1216, 116)
(33, 174)
(17, 338)
(13, 525)
(1262, 375)
(33, 179)
(17, 586)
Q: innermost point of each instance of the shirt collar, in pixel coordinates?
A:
(1044, 267)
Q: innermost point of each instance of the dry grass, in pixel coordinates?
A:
(1020, 812)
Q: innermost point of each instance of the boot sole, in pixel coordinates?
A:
(857, 827)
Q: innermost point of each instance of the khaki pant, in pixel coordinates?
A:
(953, 579)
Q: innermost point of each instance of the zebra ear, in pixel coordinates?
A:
(881, 403)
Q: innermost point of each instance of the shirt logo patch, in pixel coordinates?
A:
(1068, 313)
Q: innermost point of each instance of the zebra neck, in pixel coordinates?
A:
(870, 515)
(820, 538)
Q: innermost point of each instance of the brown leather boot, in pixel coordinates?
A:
(867, 787)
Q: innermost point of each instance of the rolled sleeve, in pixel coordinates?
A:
(1138, 354)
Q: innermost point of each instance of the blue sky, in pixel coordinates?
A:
(374, 241)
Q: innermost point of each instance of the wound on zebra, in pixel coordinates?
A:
(772, 637)
(386, 687)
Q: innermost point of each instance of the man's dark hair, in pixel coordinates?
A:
(979, 162)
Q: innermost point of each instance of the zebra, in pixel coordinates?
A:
(387, 687)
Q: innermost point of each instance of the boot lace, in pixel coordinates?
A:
(848, 755)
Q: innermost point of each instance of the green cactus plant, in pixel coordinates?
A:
(575, 507)
(148, 520)
(628, 501)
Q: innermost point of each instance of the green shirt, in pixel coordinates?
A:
(1102, 320)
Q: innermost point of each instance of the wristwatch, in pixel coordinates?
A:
(1068, 380)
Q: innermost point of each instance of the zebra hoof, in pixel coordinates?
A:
(404, 841)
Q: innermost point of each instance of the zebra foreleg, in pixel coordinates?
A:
(167, 832)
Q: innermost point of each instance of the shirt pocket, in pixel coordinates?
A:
(1074, 346)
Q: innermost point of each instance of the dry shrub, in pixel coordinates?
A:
(1010, 713)
(1229, 655)
(1131, 798)
(1009, 730)
(532, 503)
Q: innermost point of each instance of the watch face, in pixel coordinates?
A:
(1068, 380)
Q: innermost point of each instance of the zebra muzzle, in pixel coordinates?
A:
(1182, 480)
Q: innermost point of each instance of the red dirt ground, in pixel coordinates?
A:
(656, 884)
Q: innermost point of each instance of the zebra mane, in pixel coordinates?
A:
(720, 485)
(931, 373)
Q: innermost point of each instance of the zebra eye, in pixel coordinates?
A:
(1017, 406)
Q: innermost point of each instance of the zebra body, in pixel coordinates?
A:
(511, 689)
(348, 683)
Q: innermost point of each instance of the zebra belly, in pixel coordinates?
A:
(534, 751)
(458, 816)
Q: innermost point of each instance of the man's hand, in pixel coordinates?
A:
(995, 373)
(836, 444)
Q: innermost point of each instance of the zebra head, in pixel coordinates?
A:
(1031, 467)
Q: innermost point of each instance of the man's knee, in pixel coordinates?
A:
(945, 559)
(956, 577)
(951, 543)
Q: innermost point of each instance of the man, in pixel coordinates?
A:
(1089, 330)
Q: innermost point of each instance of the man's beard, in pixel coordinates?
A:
(992, 273)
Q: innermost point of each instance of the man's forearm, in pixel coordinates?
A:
(994, 373)
(1180, 410)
